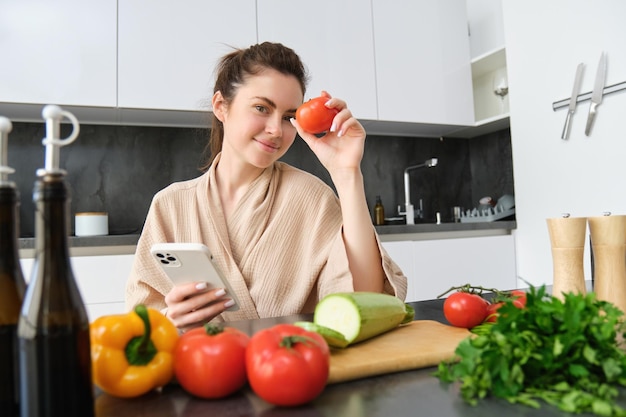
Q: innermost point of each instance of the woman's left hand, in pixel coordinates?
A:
(342, 146)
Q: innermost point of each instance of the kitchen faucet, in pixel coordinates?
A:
(408, 207)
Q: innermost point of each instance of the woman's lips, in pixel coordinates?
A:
(268, 146)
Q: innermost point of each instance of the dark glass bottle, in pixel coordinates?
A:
(379, 212)
(12, 285)
(55, 351)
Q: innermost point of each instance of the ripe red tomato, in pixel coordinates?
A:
(463, 309)
(209, 361)
(314, 117)
(287, 365)
(519, 298)
(519, 301)
(492, 312)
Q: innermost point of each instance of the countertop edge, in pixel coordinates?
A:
(432, 231)
(126, 244)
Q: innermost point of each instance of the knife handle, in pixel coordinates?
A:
(568, 126)
(590, 118)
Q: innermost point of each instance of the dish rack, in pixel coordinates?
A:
(486, 215)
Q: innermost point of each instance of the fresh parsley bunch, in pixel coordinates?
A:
(566, 353)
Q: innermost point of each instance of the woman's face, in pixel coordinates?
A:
(256, 123)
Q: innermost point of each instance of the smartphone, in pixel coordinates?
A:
(187, 262)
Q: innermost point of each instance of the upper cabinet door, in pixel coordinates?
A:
(485, 25)
(59, 52)
(334, 39)
(168, 49)
(423, 61)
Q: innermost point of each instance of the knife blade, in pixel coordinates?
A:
(573, 101)
(596, 95)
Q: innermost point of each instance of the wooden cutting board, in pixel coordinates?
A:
(419, 344)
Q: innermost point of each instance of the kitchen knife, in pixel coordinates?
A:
(596, 95)
(573, 101)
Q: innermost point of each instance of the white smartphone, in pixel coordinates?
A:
(187, 262)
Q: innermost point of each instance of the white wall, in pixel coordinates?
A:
(584, 176)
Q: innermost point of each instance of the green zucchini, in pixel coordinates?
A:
(361, 315)
(332, 337)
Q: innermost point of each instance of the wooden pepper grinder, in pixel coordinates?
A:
(608, 243)
(567, 237)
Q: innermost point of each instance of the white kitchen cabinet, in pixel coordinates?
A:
(488, 74)
(336, 46)
(402, 66)
(101, 280)
(61, 52)
(423, 62)
(402, 253)
(433, 266)
(489, 69)
(168, 49)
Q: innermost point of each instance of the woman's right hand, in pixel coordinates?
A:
(192, 304)
(342, 147)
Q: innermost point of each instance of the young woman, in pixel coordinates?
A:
(280, 235)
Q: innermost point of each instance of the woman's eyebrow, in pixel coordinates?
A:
(272, 104)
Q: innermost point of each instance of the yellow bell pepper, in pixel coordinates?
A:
(132, 353)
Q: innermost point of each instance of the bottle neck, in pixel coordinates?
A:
(53, 297)
(51, 198)
(11, 278)
(9, 224)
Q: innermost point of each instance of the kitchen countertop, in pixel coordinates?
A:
(125, 244)
(431, 231)
(92, 245)
(409, 393)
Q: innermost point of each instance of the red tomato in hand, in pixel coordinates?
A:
(463, 309)
(314, 117)
(210, 361)
(287, 365)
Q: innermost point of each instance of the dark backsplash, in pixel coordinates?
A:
(118, 169)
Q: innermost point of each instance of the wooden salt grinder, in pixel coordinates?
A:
(567, 237)
(608, 243)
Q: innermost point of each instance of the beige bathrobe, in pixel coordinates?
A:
(281, 250)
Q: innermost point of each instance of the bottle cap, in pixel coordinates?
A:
(53, 115)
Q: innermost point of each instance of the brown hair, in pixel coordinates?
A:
(235, 67)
